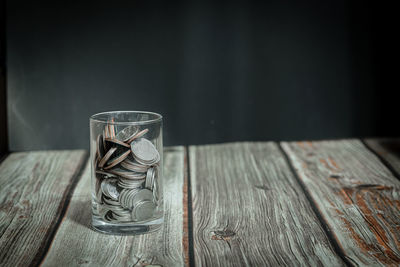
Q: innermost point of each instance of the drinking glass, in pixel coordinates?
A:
(126, 155)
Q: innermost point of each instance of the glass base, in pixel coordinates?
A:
(136, 228)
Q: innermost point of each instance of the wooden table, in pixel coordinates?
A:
(329, 203)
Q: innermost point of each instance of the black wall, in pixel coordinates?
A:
(3, 96)
(217, 71)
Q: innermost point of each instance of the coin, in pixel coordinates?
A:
(109, 188)
(96, 162)
(127, 133)
(155, 191)
(122, 216)
(126, 197)
(149, 163)
(99, 145)
(150, 178)
(142, 195)
(122, 212)
(143, 210)
(117, 208)
(127, 174)
(130, 183)
(134, 166)
(116, 142)
(103, 174)
(108, 216)
(105, 132)
(116, 160)
(112, 205)
(98, 191)
(138, 135)
(111, 129)
(102, 210)
(107, 157)
(144, 151)
(105, 145)
(110, 202)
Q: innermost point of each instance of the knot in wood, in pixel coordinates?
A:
(223, 235)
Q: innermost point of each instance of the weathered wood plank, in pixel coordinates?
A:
(388, 149)
(248, 209)
(76, 244)
(34, 189)
(356, 194)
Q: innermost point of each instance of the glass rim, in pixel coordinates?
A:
(158, 117)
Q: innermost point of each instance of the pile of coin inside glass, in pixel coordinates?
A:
(126, 168)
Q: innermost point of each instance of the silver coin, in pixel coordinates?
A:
(127, 174)
(149, 178)
(107, 156)
(102, 210)
(110, 202)
(123, 212)
(149, 163)
(155, 191)
(109, 188)
(133, 165)
(142, 195)
(109, 216)
(144, 151)
(129, 183)
(114, 208)
(138, 135)
(123, 215)
(126, 197)
(121, 218)
(116, 160)
(143, 210)
(127, 133)
(153, 183)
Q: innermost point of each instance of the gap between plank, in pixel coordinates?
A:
(316, 211)
(51, 233)
(382, 159)
(189, 207)
(185, 239)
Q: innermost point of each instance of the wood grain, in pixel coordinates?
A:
(248, 209)
(358, 197)
(76, 244)
(34, 188)
(388, 150)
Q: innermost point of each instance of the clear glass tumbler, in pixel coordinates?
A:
(126, 153)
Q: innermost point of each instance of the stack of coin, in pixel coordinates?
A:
(126, 173)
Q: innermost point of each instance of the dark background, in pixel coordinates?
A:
(218, 71)
(3, 101)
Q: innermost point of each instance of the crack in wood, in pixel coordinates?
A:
(335, 176)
